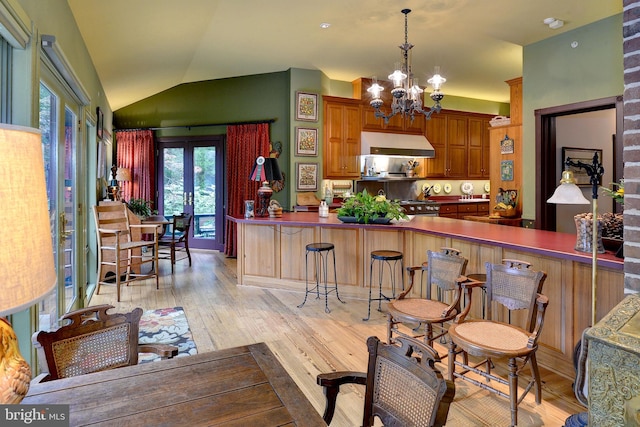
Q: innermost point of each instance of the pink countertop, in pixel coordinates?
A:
(548, 243)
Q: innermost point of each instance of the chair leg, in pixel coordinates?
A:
(451, 362)
(513, 390)
(173, 257)
(535, 373)
(186, 247)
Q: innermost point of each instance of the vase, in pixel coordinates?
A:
(584, 233)
(410, 173)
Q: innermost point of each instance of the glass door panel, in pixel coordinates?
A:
(68, 219)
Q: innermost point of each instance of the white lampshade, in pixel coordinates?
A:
(27, 272)
(568, 193)
(123, 174)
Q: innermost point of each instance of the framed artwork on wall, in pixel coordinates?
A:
(506, 170)
(506, 145)
(584, 155)
(99, 123)
(306, 142)
(306, 176)
(307, 106)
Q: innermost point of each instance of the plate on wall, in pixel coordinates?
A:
(466, 188)
(437, 188)
(447, 188)
(487, 187)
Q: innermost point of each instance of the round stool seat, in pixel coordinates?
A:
(386, 255)
(319, 247)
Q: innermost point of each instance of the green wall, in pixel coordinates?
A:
(554, 74)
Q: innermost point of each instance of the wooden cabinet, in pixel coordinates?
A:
(461, 210)
(448, 210)
(479, 155)
(461, 142)
(341, 138)
(397, 123)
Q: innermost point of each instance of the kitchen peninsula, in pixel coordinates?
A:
(271, 254)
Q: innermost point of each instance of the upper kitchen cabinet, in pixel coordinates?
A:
(397, 123)
(342, 129)
(461, 143)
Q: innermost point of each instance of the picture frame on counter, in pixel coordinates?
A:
(584, 155)
(306, 141)
(306, 176)
(307, 106)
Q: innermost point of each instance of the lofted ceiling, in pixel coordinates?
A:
(142, 47)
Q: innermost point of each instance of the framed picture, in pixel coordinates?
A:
(307, 106)
(506, 145)
(306, 176)
(306, 142)
(100, 123)
(506, 170)
(584, 155)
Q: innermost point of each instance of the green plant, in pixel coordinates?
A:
(615, 194)
(367, 208)
(140, 207)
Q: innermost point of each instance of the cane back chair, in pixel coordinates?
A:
(514, 288)
(176, 240)
(403, 387)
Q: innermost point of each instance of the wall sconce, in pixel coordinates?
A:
(265, 170)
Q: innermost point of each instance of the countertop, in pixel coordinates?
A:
(548, 243)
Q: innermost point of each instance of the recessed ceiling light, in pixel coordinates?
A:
(325, 25)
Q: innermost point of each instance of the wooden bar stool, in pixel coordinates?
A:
(320, 253)
(384, 257)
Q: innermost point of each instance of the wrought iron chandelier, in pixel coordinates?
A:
(407, 95)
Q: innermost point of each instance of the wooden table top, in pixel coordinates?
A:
(239, 386)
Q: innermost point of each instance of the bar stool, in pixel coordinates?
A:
(384, 257)
(320, 253)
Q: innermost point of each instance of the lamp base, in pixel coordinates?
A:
(16, 376)
(264, 196)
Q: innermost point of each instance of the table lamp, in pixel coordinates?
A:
(265, 170)
(569, 193)
(27, 271)
(122, 175)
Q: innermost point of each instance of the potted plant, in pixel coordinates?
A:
(140, 207)
(365, 208)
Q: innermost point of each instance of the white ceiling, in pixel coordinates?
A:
(142, 47)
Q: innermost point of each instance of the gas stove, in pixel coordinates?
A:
(420, 207)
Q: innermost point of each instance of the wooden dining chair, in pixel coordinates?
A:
(513, 288)
(91, 340)
(445, 273)
(402, 385)
(176, 240)
(120, 247)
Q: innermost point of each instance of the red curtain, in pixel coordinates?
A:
(244, 144)
(135, 150)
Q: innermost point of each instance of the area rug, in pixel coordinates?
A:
(166, 326)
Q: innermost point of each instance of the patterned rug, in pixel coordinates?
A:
(166, 326)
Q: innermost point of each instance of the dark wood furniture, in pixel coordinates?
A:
(120, 249)
(403, 386)
(445, 271)
(176, 240)
(341, 138)
(240, 386)
(511, 286)
(91, 340)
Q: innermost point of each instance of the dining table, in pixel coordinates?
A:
(239, 386)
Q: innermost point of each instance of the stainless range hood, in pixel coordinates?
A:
(395, 144)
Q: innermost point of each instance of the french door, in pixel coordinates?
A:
(191, 180)
(59, 126)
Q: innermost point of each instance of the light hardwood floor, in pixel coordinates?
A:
(308, 341)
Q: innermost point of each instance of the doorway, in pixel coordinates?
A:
(546, 124)
(191, 180)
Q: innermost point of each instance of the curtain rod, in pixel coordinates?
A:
(252, 122)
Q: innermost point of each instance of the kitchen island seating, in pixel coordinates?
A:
(92, 340)
(445, 270)
(320, 253)
(390, 259)
(403, 386)
(514, 288)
